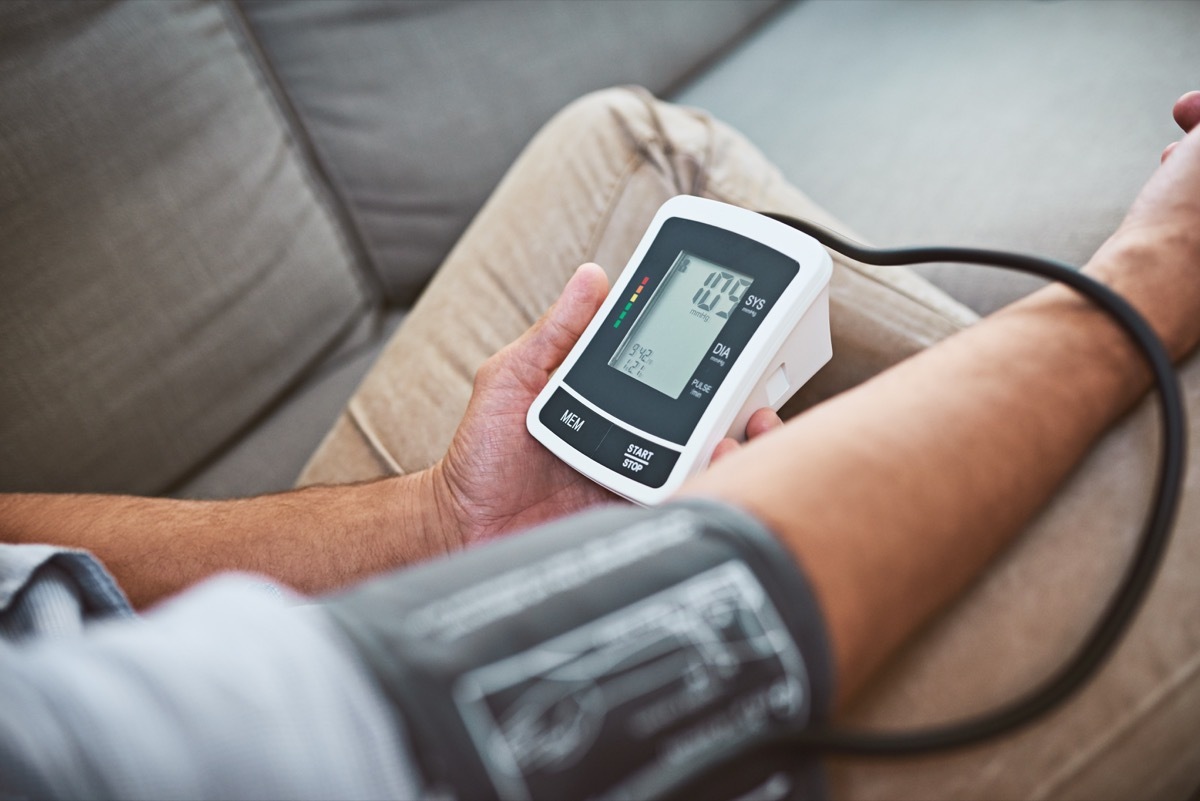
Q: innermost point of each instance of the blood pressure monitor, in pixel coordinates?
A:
(719, 312)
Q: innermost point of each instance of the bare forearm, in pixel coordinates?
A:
(496, 478)
(313, 540)
(894, 495)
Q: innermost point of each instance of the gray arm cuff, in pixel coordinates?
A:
(606, 654)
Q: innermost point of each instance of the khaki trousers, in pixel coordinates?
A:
(584, 190)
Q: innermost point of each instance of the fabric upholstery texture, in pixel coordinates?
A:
(1130, 733)
(1126, 735)
(270, 456)
(169, 264)
(584, 190)
(1025, 126)
(411, 113)
(417, 109)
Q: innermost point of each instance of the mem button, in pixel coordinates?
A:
(574, 423)
(629, 455)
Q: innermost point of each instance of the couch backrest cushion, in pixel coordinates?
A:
(416, 109)
(168, 263)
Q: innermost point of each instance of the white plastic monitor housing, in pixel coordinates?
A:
(789, 345)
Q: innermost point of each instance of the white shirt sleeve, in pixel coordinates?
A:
(228, 691)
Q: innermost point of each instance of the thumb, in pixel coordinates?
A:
(547, 343)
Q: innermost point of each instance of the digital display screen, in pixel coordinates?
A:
(680, 323)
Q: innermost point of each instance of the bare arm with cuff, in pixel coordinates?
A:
(895, 494)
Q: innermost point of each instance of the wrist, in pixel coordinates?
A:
(443, 515)
(420, 520)
(1159, 274)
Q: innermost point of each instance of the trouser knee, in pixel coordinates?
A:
(630, 123)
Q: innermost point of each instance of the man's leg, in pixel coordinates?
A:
(585, 190)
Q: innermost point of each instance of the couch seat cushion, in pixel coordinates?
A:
(169, 267)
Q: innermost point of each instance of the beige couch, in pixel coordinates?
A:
(212, 215)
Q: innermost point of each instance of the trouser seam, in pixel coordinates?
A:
(1125, 728)
(361, 421)
(736, 199)
(613, 192)
(706, 184)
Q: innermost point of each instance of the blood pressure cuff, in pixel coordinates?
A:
(612, 654)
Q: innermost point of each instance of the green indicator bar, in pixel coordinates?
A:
(622, 317)
(628, 306)
(617, 324)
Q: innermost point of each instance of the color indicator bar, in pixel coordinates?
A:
(632, 300)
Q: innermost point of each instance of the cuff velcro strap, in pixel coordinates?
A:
(604, 655)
